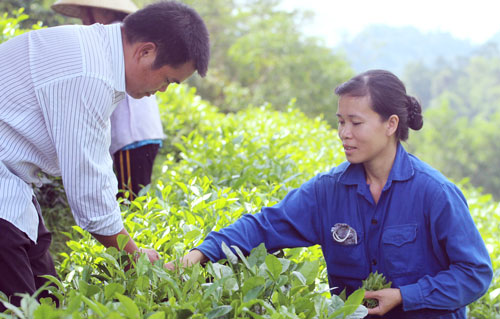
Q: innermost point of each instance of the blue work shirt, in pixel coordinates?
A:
(420, 235)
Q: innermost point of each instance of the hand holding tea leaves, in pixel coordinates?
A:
(387, 299)
(380, 298)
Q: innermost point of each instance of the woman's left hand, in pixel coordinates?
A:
(387, 299)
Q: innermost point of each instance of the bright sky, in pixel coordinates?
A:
(476, 20)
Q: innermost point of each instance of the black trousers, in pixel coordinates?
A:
(133, 168)
(22, 261)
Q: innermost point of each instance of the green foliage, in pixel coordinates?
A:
(261, 286)
(461, 122)
(471, 85)
(460, 147)
(10, 25)
(486, 214)
(254, 145)
(374, 282)
(38, 12)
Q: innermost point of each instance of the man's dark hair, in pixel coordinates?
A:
(177, 30)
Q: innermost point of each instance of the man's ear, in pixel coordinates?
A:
(145, 51)
(392, 124)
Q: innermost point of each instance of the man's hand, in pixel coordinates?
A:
(130, 247)
(193, 257)
(388, 298)
(151, 253)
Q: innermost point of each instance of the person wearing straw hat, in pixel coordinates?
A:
(95, 11)
(136, 128)
(57, 94)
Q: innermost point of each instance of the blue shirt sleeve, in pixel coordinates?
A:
(469, 272)
(291, 223)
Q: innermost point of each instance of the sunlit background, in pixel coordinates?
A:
(476, 21)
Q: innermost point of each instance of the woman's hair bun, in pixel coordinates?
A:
(415, 119)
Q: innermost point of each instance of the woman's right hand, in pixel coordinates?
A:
(193, 257)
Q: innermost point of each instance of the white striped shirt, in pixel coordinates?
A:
(58, 88)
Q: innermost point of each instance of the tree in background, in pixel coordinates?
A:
(470, 84)
(462, 98)
(392, 48)
(461, 147)
(260, 55)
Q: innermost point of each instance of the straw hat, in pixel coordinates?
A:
(71, 8)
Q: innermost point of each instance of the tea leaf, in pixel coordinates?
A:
(111, 289)
(219, 311)
(129, 309)
(274, 266)
(122, 241)
(231, 257)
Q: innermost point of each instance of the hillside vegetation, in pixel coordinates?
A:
(215, 167)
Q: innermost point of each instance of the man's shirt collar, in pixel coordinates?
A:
(117, 58)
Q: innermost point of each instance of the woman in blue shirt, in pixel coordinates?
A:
(383, 210)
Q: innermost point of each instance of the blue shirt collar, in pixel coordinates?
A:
(402, 169)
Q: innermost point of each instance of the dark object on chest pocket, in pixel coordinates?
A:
(344, 234)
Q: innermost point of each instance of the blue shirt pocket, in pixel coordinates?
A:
(399, 247)
(347, 261)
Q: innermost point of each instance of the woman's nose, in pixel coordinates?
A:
(344, 132)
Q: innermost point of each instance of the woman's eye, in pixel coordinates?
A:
(356, 123)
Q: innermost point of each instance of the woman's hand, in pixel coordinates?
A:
(193, 257)
(388, 298)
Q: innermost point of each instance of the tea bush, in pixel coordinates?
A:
(212, 174)
(214, 168)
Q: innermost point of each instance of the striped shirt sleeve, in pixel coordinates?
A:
(77, 113)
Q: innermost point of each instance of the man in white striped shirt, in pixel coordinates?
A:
(58, 88)
(136, 128)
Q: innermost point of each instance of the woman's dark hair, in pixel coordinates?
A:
(178, 31)
(388, 96)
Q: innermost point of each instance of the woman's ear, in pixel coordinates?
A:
(392, 124)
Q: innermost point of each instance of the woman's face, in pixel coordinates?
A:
(91, 15)
(366, 137)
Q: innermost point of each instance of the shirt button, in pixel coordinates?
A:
(374, 262)
(374, 222)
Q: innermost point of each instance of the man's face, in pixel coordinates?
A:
(142, 80)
